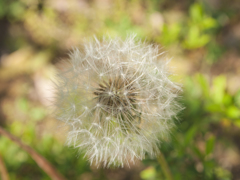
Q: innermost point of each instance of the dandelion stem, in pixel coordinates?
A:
(166, 170)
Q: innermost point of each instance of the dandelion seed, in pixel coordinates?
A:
(118, 100)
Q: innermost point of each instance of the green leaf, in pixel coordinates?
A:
(170, 34)
(197, 152)
(210, 145)
(227, 99)
(237, 98)
(222, 174)
(195, 38)
(209, 166)
(196, 12)
(208, 23)
(190, 135)
(237, 123)
(218, 91)
(149, 173)
(213, 107)
(233, 112)
(204, 84)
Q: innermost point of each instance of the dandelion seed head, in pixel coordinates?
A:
(118, 99)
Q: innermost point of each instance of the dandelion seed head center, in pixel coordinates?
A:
(98, 105)
(108, 118)
(116, 94)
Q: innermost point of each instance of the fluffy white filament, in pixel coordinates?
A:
(118, 100)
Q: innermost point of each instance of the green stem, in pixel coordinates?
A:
(166, 170)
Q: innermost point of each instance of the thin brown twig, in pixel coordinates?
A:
(41, 161)
(3, 169)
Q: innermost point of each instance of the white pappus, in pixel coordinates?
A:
(118, 100)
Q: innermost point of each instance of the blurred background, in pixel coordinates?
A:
(201, 37)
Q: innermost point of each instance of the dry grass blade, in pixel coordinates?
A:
(41, 161)
(3, 170)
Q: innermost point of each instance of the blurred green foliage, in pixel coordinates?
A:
(21, 166)
(196, 34)
(191, 154)
(36, 32)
